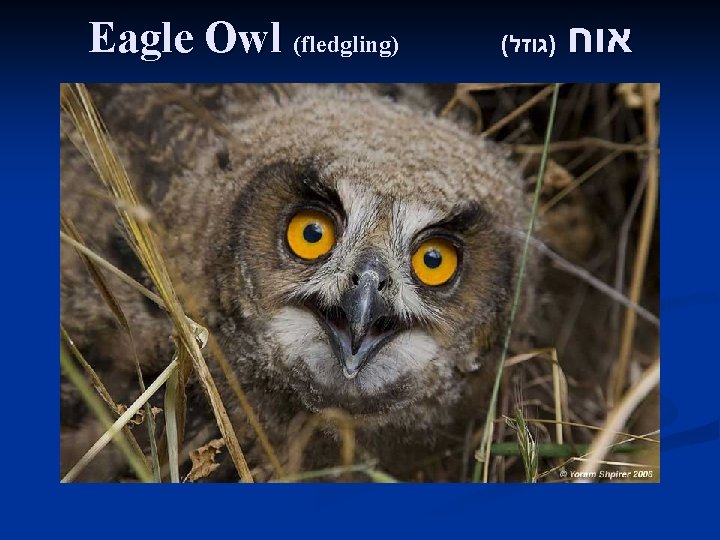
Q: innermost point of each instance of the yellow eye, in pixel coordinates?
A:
(435, 261)
(310, 234)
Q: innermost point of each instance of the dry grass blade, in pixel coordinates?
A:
(483, 455)
(120, 423)
(462, 95)
(89, 371)
(114, 432)
(482, 87)
(463, 90)
(583, 142)
(617, 419)
(150, 423)
(342, 471)
(245, 404)
(219, 357)
(171, 426)
(99, 388)
(537, 98)
(524, 357)
(560, 393)
(75, 100)
(216, 351)
(560, 387)
(380, 477)
(618, 463)
(112, 268)
(176, 406)
(580, 180)
(594, 428)
(71, 230)
(582, 274)
(619, 374)
(628, 220)
(622, 445)
(337, 417)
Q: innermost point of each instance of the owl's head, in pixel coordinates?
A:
(364, 249)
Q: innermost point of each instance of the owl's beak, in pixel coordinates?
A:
(366, 324)
(363, 306)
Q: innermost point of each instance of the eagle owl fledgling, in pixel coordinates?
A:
(347, 250)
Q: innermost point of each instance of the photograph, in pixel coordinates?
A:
(359, 282)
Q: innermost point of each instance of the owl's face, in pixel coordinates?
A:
(383, 273)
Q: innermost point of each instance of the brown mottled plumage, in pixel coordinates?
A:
(222, 169)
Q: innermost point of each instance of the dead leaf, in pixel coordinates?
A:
(203, 460)
(139, 417)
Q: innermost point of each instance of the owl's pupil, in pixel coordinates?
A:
(432, 258)
(312, 233)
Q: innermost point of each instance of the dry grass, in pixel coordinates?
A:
(76, 102)
(557, 401)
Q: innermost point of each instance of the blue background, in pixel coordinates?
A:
(674, 45)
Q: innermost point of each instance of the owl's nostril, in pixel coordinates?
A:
(381, 284)
(371, 271)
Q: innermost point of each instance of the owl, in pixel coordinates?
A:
(348, 248)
